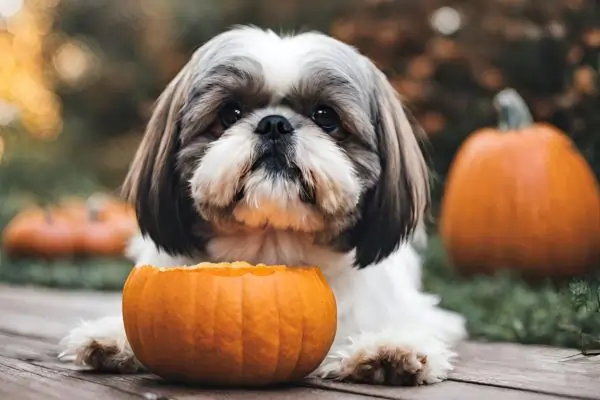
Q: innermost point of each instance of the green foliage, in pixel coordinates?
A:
(504, 307)
(35, 172)
(91, 273)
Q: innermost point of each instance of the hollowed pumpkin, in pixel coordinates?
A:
(229, 324)
(521, 197)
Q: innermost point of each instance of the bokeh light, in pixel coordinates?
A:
(9, 8)
(446, 20)
(73, 62)
(24, 83)
(1, 149)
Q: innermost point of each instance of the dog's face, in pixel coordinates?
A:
(296, 133)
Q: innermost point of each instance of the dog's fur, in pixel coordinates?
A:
(349, 199)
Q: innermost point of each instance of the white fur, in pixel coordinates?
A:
(217, 180)
(103, 329)
(338, 188)
(380, 307)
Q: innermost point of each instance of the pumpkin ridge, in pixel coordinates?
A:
(300, 348)
(138, 337)
(154, 325)
(242, 287)
(214, 315)
(276, 290)
(323, 286)
(189, 327)
(237, 346)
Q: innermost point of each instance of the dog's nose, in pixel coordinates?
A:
(274, 125)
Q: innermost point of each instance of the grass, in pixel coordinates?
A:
(504, 307)
(498, 308)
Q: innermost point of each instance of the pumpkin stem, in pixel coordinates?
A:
(94, 214)
(512, 109)
(48, 215)
(95, 204)
(93, 210)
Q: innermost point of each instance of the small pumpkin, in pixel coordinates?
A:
(39, 232)
(521, 197)
(229, 323)
(101, 236)
(103, 224)
(122, 217)
(95, 227)
(103, 208)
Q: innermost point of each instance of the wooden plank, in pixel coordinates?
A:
(448, 390)
(27, 349)
(27, 356)
(151, 386)
(25, 310)
(533, 368)
(23, 381)
(41, 353)
(74, 300)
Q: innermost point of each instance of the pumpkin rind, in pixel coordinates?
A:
(232, 325)
(524, 199)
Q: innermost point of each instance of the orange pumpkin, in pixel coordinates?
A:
(521, 196)
(104, 225)
(122, 217)
(98, 226)
(101, 237)
(39, 232)
(104, 208)
(229, 323)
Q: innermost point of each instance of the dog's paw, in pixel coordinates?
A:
(101, 345)
(388, 366)
(107, 356)
(386, 360)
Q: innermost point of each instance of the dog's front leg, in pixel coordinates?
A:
(102, 345)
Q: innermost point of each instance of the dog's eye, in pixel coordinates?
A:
(230, 113)
(326, 118)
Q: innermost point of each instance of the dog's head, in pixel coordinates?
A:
(297, 133)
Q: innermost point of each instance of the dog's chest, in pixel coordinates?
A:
(274, 247)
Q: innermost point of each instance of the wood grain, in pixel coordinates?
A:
(26, 310)
(448, 390)
(533, 368)
(33, 320)
(23, 381)
(24, 357)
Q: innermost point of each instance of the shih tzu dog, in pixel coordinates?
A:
(291, 150)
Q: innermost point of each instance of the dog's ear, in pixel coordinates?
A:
(164, 209)
(393, 208)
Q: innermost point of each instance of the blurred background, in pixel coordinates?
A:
(78, 79)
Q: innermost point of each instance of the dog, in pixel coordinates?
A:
(291, 149)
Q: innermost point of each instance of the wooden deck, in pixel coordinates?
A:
(32, 320)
